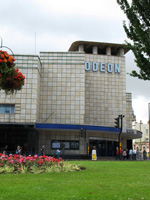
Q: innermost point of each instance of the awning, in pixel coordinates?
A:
(75, 127)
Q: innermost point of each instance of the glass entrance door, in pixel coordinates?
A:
(103, 147)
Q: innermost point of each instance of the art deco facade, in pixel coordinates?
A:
(64, 92)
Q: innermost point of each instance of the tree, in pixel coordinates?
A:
(138, 31)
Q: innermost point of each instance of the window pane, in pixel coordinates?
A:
(12, 109)
(7, 108)
(55, 144)
(67, 145)
(2, 109)
(74, 145)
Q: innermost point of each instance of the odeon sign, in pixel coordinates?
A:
(102, 67)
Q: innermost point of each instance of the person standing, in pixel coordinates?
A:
(144, 154)
(137, 153)
(124, 154)
(117, 153)
(127, 152)
(130, 154)
(94, 153)
(121, 156)
(134, 154)
(140, 155)
(42, 151)
(5, 150)
(63, 150)
(18, 150)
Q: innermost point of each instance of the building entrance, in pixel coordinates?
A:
(103, 147)
(18, 135)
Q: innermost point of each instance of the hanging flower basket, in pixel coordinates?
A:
(11, 80)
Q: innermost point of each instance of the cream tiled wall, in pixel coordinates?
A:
(26, 100)
(62, 88)
(129, 115)
(71, 95)
(105, 93)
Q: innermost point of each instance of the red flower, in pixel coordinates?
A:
(40, 162)
(11, 59)
(16, 156)
(2, 56)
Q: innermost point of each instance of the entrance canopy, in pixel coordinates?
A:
(129, 134)
(76, 127)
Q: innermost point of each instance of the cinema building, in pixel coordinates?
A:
(69, 99)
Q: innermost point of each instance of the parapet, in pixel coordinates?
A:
(109, 49)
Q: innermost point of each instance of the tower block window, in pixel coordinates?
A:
(7, 108)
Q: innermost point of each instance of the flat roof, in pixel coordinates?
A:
(101, 46)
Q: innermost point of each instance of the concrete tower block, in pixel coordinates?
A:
(95, 50)
(121, 52)
(81, 48)
(108, 51)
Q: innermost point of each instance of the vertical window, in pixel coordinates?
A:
(146, 131)
(7, 108)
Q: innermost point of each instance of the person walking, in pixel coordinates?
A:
(137, 153)
(144, 154)
(130, 154)
(57, 153)
(140, 155)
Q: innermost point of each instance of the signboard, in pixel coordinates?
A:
(55, 145)
(102, 67)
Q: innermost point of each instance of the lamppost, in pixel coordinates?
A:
(140, 131)
(149, 123)
(1, 46)
(120, 117)
(82, 134)
(119, 125)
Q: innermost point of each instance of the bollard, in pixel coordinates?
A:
(94, 156)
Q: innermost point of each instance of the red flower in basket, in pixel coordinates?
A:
(11, 80)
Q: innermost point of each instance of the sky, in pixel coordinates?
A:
(31, 26)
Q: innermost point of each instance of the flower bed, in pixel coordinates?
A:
(34, 164)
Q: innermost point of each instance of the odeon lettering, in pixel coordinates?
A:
(102, 67)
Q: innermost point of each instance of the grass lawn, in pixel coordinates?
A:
(102, 180)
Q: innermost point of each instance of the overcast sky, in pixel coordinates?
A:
(31, 26)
